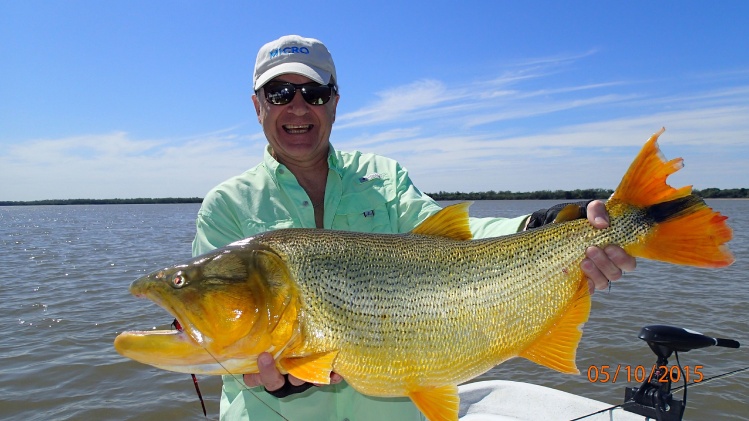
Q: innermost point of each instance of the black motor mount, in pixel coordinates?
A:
(653, 398)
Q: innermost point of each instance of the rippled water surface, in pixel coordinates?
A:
(64, 298)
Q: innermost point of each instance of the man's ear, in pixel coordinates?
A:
(335, 107)
(256, 102)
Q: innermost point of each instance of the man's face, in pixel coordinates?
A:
(298, 132)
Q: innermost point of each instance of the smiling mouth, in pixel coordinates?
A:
(297, 129)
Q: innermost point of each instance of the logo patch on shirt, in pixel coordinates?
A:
(370, 177)
(368, 213)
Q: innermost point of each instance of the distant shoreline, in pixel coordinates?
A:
(136, 201)
(709, 193)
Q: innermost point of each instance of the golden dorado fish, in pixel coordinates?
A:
(414, 314)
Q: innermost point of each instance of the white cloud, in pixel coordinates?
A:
(709, 129)
(476, 103)
(115, 165)
(502, 133)
(396, 103)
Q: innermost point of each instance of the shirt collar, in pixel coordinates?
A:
(334, 161)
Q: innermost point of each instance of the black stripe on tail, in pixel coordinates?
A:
(676, 208)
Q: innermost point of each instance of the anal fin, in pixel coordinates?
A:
(314, 368)
(437, 404)
(557, 347)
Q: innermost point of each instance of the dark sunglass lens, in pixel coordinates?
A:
(316, 95)
(283, 93)
(280, 94)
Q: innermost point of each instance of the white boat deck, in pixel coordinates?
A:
(499, 400)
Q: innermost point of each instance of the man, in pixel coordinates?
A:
(304, 182)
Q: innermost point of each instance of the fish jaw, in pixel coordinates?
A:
(174, 351)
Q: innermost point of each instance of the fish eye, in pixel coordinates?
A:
(178, 280)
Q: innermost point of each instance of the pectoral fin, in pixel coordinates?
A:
(437, 404)
(312, 368)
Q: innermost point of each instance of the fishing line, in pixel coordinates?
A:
(709, 379)
(676, 389)
(177, 326)
(681, 372)
(244, 386)
(611, 408)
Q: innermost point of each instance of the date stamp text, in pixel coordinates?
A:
(640, 373)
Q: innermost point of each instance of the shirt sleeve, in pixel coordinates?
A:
(215, 225)
(415, 206)
(495, 227)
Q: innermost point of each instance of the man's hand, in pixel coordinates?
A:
(273, 381)
(609, 263)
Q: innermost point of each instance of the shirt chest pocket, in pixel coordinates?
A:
(365, 210)
(254, 227)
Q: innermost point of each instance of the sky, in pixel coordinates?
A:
(142, 98)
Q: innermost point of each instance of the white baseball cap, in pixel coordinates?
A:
(294, 54)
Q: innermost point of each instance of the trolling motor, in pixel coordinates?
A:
(653, 398)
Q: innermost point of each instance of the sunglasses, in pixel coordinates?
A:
(283, 93)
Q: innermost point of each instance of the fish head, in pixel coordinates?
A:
(231, 304)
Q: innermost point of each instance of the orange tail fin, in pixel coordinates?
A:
(686, 231)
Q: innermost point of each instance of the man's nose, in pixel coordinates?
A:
(298, 106)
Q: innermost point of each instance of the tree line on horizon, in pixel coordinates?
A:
(135, 201)
(580, 194)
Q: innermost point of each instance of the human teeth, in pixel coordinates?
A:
(293, 128)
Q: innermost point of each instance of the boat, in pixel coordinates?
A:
(501, 400)
(497, 400)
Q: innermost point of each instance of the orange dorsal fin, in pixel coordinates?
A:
(312, 368)
(685, 231)
(450, 222)
(568, 213)
(437, 404)
(557, 347)
(644, 183)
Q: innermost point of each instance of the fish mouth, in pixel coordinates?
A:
(175, 350)
(161, 348)
(174, 334)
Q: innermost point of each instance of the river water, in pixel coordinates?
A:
(64, 297)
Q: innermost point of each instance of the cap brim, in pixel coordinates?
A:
(313, 73)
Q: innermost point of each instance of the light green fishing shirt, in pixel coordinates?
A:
(365, 193)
